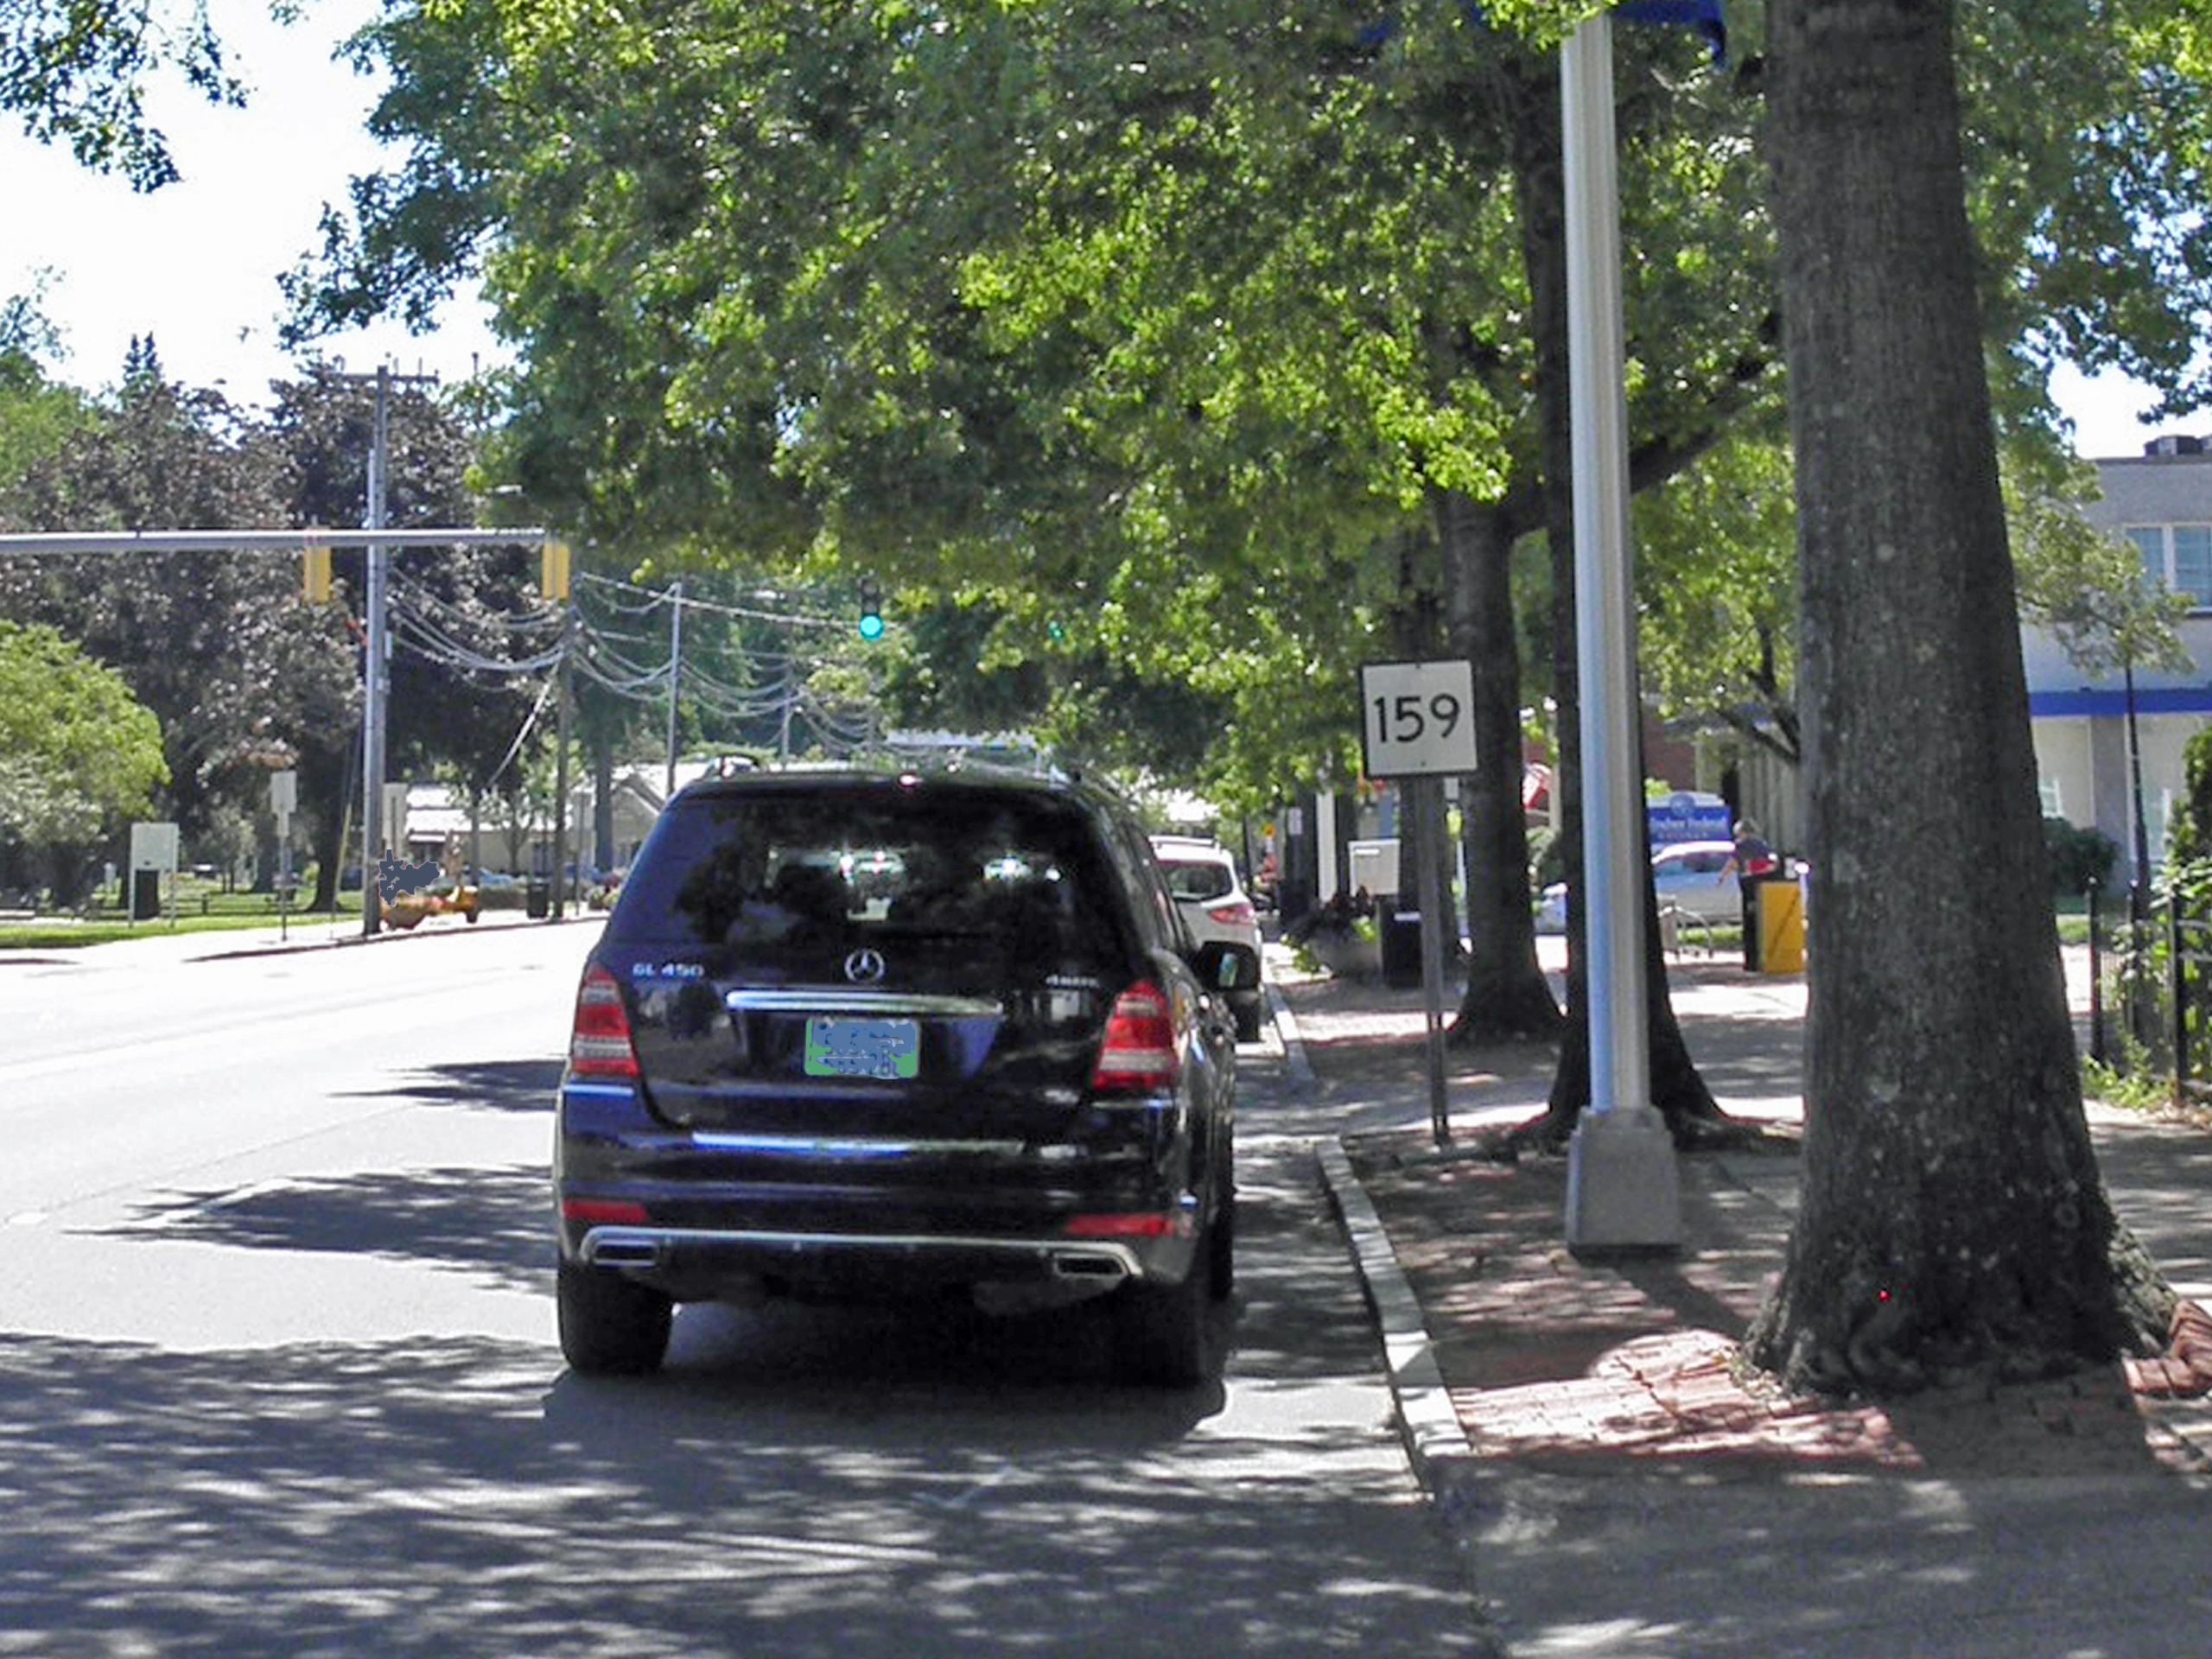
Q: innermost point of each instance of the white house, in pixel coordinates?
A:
(2162, 501)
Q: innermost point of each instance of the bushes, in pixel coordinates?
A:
(2188, 837)
(2077, 856)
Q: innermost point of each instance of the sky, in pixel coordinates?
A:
(195, 264)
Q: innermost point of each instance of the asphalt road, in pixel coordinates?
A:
(277, 1377)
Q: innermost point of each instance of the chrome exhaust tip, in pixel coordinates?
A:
(622, 1252)
(1085, 1265)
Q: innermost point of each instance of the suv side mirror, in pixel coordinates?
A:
(1223, 966)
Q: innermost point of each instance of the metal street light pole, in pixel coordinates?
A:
(1623, 1190)
(2138, 853)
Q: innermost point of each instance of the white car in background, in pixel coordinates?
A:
(1697, 877)
(1203, 878)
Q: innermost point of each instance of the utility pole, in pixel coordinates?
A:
(675, 664)
(377, 669)
(783, 720)
(561, 771)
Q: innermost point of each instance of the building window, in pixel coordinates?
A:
(2179, 556)
(2193, 562)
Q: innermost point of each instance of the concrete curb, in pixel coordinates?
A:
(1435, 1442)
(1443, 1463)
(1302, 1076)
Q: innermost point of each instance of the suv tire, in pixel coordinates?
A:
(1220, 1243)
(1162, 1332)
(610, 1327)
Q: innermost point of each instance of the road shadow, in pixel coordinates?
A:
(798, 1484)
(496, 1085)
(492, 1223)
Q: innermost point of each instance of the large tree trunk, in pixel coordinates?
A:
(1506, 995)
(1678, 1091)
(325, 790)
(1952, 1219)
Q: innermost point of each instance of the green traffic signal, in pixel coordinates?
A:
(871, 618)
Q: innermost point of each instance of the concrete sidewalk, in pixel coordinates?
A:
(1623, 1488)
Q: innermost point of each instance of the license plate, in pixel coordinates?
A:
(888, 1049)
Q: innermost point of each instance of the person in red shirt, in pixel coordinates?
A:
(1753, 860)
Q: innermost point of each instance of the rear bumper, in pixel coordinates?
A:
(710, 1261)
(728, 1215)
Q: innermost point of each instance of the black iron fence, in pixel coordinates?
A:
(2151, 983)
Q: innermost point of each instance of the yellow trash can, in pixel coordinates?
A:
(1782, 927)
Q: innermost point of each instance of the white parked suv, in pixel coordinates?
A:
(1203, 877)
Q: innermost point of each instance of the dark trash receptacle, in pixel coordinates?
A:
(1401, 941)
(145, 895)
(537, 898)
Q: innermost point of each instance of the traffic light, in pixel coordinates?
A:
(314, 574)
(553, 569)
(871, 617)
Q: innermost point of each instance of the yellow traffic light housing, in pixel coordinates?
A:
(553, 569)
(314, 574)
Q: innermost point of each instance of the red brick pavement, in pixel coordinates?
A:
(1587, 1365)
(1582, 1365)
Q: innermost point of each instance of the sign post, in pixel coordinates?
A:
(1417, 723)
(283, 798)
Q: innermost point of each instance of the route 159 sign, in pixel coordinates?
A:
(1417, 718)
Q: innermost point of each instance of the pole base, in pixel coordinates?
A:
(1623, 1191)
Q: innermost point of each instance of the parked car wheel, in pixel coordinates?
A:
(1251, 1017)
(1161, 1333)
(610, 1327)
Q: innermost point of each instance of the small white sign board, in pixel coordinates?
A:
(284, 793)
(154, 847)
(1374, 865)
(1417, 719)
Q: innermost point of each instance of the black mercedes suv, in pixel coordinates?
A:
(857, 1034)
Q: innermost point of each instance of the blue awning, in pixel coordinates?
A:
(2086, 703)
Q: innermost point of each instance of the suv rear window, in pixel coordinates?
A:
(760, 869)
(1196, 878)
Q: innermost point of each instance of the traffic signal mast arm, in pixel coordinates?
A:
(264, 541)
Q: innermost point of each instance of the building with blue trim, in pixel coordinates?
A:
(2162, 501)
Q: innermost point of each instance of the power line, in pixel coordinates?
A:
(661, 596)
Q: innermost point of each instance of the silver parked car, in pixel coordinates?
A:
(1698, 878)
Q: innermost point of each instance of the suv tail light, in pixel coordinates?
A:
(1233, 913)
(599, 1046)
(1138, 1055)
